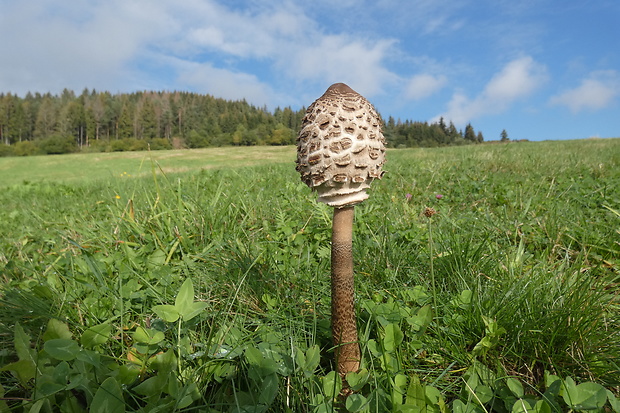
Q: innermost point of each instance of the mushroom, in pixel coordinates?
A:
(340, 151)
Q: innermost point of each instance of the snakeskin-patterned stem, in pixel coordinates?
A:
(344, 328)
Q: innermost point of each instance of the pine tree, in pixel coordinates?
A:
(4, 119)
(442, 125)
(470, 134)
(125, 121)
(504, 136)
(47, 118)
(73, 121)
(16, 125)
(147, 121)
(97, 108)
(453, 132)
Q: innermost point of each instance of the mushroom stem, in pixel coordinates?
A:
(344, 328)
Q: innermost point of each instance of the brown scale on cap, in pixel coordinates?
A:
(340, 148)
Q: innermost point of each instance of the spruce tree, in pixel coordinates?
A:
(504, 136)
(470, 134)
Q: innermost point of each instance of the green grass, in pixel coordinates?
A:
(86, 167)
(516, 287)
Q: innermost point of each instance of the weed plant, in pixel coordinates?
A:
(209, 291)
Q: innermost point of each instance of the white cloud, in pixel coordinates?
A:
(120, 46)
(424, 85)
(255, 33)
(595, 92)
(429, 17)
(293, 45)
(53, 47)
(518, 79)
(205, 78)
(337, 58)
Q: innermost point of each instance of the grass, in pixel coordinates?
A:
(86, 167)
(516, 287)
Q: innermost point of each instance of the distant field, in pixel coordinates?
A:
(85, 167)
(91, 166)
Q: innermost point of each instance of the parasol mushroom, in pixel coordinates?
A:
(340, 151)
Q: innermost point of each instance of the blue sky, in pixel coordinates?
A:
(541, 69)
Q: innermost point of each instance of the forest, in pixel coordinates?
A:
(104, 122)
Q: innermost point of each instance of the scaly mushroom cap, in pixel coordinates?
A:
(340, 148)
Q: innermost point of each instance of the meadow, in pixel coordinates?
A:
(198, 281)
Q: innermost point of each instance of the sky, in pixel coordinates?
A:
(540, 69)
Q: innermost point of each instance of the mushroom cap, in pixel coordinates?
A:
(340, 148)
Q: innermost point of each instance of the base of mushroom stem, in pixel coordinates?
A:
(347, 358)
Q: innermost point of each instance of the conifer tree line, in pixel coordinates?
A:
(101, 121)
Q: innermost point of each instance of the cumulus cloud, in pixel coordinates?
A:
(430, 17)
(226, 83)
(295, 46)
(338, 58)
(280, 41)
(263, 31)
(595, 92)
(424, 85)
(518, 79)
(121, 46)
(54, 46)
